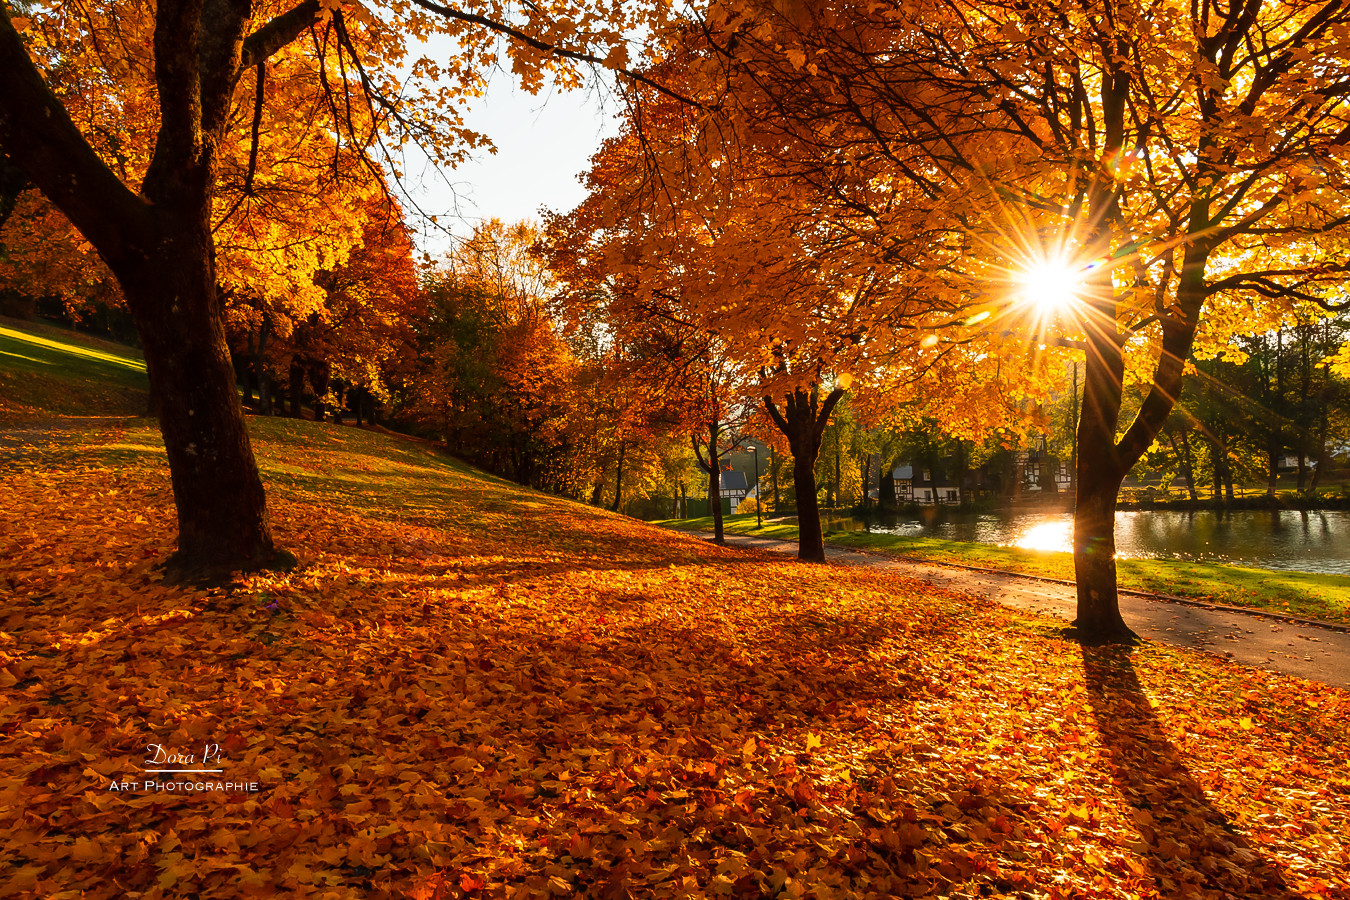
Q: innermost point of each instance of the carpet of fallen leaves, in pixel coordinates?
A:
(481, 692)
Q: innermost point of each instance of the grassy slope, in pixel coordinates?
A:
(1297, 593)
(47, 371)
(472, 690)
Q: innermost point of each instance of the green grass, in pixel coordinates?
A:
(1296, 593)
(47, 371)
(51, 378)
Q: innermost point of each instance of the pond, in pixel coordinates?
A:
(1301, 540)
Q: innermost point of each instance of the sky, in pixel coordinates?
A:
(543, 144)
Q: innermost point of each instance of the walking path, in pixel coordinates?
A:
(1279, 645)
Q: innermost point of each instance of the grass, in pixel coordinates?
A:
(1310, 595)
(46, 371)
(467, 689)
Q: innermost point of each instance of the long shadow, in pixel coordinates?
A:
(1193, 848)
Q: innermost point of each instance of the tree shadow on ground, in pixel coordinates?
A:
(1193, 849)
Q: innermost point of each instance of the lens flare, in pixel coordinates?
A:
(1052, 285)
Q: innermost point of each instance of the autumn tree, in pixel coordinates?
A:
(693, 224)
(1145, 166)
(147, 209)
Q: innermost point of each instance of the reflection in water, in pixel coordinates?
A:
(1316, 541)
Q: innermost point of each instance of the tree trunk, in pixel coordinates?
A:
(265, 394)
(1073, 453)
(260, 366)
(802, 421)
(1100, 474)
(618, 481)
(246, 370)
(712, 466)
(1322, 455)
(158, 244)
(1094, 558)
(866, 474)
(297, 387)
(318, 381)
(1184, 462)
(1216, 463)
(222, 510)
(715, 502)
(838, 474)
(773, 477)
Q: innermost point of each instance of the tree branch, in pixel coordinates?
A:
(279, 32)
(553, 49)
(40, 138)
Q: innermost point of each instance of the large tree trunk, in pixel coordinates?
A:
(802, 421)
(1094, 556)
(222, 513)
(1100, 473)
(810, 535)
(715, 502)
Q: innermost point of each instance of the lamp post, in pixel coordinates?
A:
(759, 501)
(773, 476)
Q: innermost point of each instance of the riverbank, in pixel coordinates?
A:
(1307, 595)
(1332, 497)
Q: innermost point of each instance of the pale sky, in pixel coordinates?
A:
(543, 143)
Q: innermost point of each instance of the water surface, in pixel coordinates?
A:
(1301, 540)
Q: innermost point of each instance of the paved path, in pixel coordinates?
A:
(1308, 651)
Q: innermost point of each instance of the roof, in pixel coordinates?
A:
(734, 480)
(906, 473)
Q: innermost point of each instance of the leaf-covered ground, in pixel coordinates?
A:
(470, 690)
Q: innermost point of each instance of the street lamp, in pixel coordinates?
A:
(759, 501)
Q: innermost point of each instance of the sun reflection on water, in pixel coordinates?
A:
(1051, 535)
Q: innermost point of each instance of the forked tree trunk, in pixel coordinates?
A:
(1184, 462)
(1101, 470)
(1102, 460)
(802, 421)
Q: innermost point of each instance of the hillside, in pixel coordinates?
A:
(469, 689)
